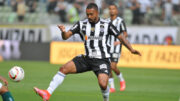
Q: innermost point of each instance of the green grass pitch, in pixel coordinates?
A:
(142, 84)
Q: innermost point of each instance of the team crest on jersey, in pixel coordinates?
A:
(83, 28)
(103, 66)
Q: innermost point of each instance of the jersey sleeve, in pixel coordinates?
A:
(113, 31)
(76, 28)
(123, 27)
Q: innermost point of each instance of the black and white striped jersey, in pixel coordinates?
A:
(121, 27)
(95, 36)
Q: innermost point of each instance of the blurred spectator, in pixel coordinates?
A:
(133, 11)
(99, 4)
(157, 13)
(176, 6)
(61, 10)
(21, 10)
(110, 2)
(32, 4)
(82, 8)
(135, 7)
(72, 12)
(8, 2)
(2, 2)
(144, 8)
(168, 12)
(51, 6)
(43, 1)
(105, 12)
(121, 8)
(14, 5)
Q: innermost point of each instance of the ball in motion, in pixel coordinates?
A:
(16, 73)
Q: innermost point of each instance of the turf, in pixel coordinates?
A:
(142, 84)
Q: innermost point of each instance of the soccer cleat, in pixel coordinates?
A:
(42, 93)
(112, 90)
(122, 85)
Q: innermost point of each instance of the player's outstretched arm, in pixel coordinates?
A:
(65, 35)
(126, 43)
(4, 80)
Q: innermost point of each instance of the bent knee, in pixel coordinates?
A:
(63, 70)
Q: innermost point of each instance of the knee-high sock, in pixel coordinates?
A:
(7, 97)
(56, 81)
(120, 76)
(111, 82)
(0, 85)
(105, 94)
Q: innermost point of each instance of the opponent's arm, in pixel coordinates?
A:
(65, 35)
(4, 80)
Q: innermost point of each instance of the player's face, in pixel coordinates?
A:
(113, 10)
(92, 15)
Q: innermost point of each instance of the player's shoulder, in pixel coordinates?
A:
(106, 21)
(119, 18)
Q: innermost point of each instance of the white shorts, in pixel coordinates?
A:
(0, 85)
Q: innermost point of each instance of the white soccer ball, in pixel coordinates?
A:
(16, 73)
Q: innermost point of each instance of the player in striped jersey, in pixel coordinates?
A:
(116, 47)
(95, 32)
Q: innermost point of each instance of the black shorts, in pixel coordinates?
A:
(84, 63)
(115, 57)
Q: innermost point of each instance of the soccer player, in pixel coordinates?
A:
(116, 47)
(95, 32)
(6, 95)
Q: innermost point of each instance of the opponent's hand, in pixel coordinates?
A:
(136, 52)
(62, 28)
(4, 80)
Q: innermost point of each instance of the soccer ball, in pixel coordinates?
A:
(16, 73)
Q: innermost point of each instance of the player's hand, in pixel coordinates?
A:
(62, 28)
(136, 52)
(4, 80)
(117, 43)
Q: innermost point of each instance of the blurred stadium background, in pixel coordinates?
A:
(29, 37)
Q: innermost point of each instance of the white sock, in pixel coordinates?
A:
(111, 82)
(56, 81)
(0, 85)
(105, 94)
(120, 76)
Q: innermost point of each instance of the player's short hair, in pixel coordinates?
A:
(92, 5)
(112, 4)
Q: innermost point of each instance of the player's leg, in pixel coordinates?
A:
(111, 82)
(57, 80)
(76, 65)
(103, 83)
(101, 67)
(119, 75)
(6, 95)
